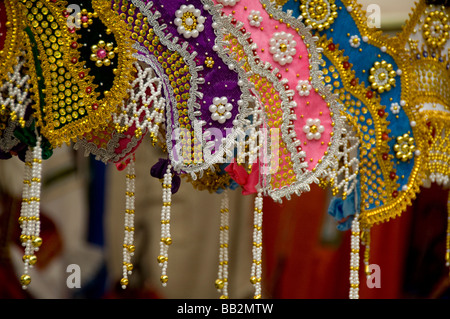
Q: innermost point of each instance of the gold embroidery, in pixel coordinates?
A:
(67, 105)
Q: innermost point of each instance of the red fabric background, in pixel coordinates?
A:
(298, 265)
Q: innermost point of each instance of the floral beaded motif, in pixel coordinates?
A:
(189, 21)
(255, 18)
(319, 14)
(404, 147)
(220, 109)
(303, 87)
(282, 46)
(436, 29)
(103, 53)
(313, 129)
(382, 76)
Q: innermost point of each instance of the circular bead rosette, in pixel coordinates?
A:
(302, 121)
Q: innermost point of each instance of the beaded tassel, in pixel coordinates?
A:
(166, 240)
(256, 271)
(354, 259)
(222, 276)
(128, 241)
(29, 215)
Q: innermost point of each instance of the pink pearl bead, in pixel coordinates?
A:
(101, 53)
(84, 19)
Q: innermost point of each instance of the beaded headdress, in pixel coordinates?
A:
(387, 86)
(269, 95)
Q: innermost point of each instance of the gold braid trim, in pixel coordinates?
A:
(438, 138)
(210, 181)
(90, 117)
(13, 40)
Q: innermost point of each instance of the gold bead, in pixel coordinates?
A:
(253, 279)
(25, 280)
(219, 284)
(161, 258)
(257, 297)
(124, 281)
(131, 248)
(109, 46)
(366, 270)
(32, 260)
(37, 241)
(164, 279)
(168, 241)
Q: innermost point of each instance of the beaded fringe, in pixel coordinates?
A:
(354, 259)
(366, 243)
(256, 270)
(166, 239)
(222, 275)
(128, 241)
(29, 215)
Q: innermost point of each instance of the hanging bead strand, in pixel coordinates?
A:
(128, 241)
(354, 259)
(222, 276)
(30, 211)
(24, 218)
(166, 240)
(366, 242)
(256, 271)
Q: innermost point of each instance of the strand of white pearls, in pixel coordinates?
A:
(166, 239)
(354, 259)
(222, 275)
(256, 271)
(128, 240)
(366, 243)
(29, 219)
